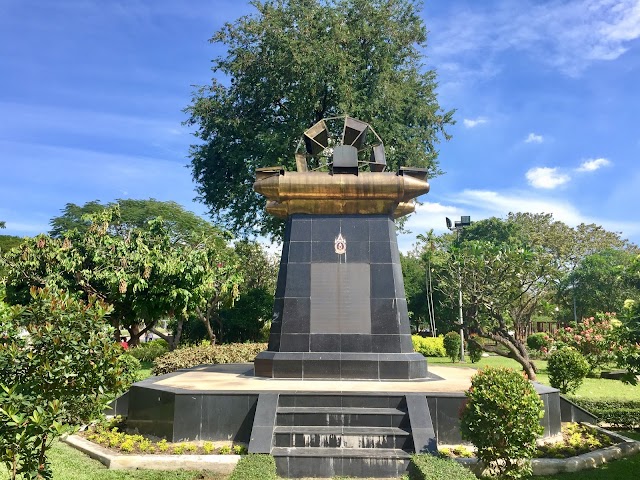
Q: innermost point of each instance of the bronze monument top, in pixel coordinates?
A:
(335, 182)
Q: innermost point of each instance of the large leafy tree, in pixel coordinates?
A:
(144, 274)
(293, 63)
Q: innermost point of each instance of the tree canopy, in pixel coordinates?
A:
(133, 214)
(142, 273)
(515, 269)
(293, 63)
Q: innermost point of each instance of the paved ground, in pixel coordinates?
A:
(239, 377)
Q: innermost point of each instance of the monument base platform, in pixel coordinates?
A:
(313, 428)
(345, 365)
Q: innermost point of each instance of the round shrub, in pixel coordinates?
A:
(452, 346)
(429, 346)
(538, 341)
(474, 349)
(502, 419)
(567, 368)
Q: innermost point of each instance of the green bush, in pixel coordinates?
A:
(474, 349)
(58, 360)
(538, 341)
(452, 346)
(567, 368)
(429, 346)
(255, 467)
(502, 419)
(429, 467)
(621, 413)
(149, 351)
(206, 355)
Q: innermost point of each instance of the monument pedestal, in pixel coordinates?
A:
(340, 309)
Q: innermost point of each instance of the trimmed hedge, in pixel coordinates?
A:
(429, 346)
(149, 351)
(624, 414)
(255, 466)
(206, 355)
(429, 467)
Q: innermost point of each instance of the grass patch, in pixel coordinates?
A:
(591, 388)
(145, 370)
(70, 464)
(620, 469)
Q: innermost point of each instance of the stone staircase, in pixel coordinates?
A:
(316, 435)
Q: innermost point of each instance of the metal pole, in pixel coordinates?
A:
(460, 304)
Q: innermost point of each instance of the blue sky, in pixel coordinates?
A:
(547, 96)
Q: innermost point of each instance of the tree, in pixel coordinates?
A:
(252, 312)
(598, 283)
(133, 214)
(502, 286)
(144, 274)
(293, 63)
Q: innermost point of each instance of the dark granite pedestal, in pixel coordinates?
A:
(340, 309)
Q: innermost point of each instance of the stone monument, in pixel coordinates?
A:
(340, 309)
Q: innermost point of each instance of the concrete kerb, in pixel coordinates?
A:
(586, 461)
(226, 463)
(118, 461)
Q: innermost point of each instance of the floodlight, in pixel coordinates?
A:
(448, 223)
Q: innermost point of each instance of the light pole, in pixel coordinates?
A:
(465, 221)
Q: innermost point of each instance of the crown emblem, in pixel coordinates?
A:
(340, 244)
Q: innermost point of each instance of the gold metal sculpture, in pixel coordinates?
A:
(344, 188)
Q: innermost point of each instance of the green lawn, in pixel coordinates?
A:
(591, 388)
(145, 370)
(70, 464)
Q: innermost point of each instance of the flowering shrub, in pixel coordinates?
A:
(594, 338)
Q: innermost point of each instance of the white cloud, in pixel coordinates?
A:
(592, 165)
(534, 138)
(568, 35)
(482, 204)
(546, 177)
(474, 122)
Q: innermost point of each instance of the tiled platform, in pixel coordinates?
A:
(239, 378)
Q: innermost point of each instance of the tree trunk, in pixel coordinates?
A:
(516, 349)
(134, 334)
(207, 325)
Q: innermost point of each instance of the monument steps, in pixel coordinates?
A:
(336, 435)
(349, 437)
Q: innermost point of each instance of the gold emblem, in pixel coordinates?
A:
(341, 245)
